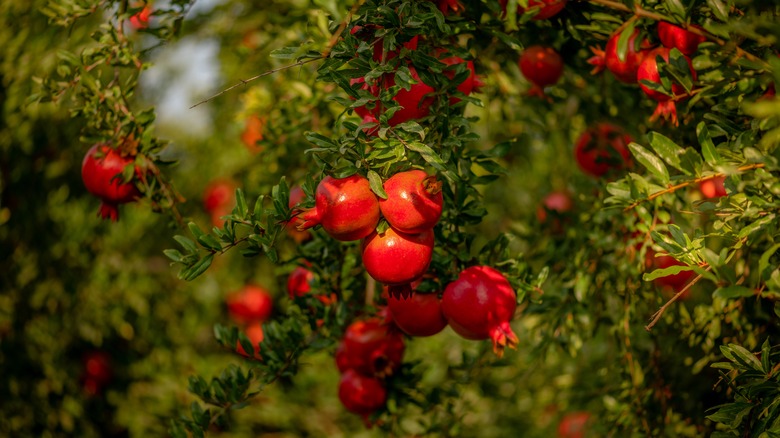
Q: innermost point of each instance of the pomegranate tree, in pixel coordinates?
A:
(414, 201)
(542, 66)
(101, 172)
(479, 305)
(346, 208)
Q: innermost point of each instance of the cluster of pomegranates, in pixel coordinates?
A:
(249, 307)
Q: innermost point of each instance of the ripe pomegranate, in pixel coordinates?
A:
(299, 282)
(346, 208)
(479, 305)
(101, 172)
(558, 203)
(372, 347)
(418, 315)
(297, 196)
(469, 85)
(255, 334)
(97, 372)
(140, 20)
(414, 201)
(253, 133)
(367, 33)
(574, 425)
(542, 66)
(603, 149)
(546, 8)
(676, 281)
(218, 200)
(397, 258)
(624, 70)
(415, 103)
(672, 36)
(648, 71)
(360, 394)
(713, 188)
(250, 304)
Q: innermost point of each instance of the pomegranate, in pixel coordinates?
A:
(360, 394)
(253, 133)
(479, 305)
(415, 102)
(102, 176)
(414, 201)
(648, 71)
(685, 41)
(418, 315)
(445, 6)
(574, 425)
(674, 282)
(218, 200)
(469, 85)
(255, 334)
(713, 188)
(372, 347)
(297, 196)
(603, 149)
(624, 70)
(346, 208)
(97, 372)
(397, 258)
(140, 20)
(542, 66)
(299, 282)
(367, 33)
(251, 304)
(558, 203)
(544, 9)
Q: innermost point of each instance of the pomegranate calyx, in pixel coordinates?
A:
(309, 218)
(431, 185)
(400, 291)
(109, 211)
(667, 111)
(503, 337)
(598, 60)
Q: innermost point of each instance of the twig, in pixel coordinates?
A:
(657, 315)
(687, 183)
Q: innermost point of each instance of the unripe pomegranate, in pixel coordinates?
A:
(479, 305)
(713, 188)
(360, 394)
(250, 304)
(254, 332)
(542, 66)
(253, 133)
(297, 196)
(397, 258)
(648, 71)
(574, 425)
(372, 347)
(346, 208)
(418, 315)
(218, 200)
(624, 70)
(603, 149)
(685, 41)
(546, 8)
(414, 201)
(102, 176)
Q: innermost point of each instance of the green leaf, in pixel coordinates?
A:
(711, 155)
(719, 8)
(198, 268)
(733, 292)
(667, 149)
(650, 161)
(428, 154)
(763, 262)
(285, 53)
(622, 44)
(375, 181)
(731, 414)
(757, 225)
(665, 272)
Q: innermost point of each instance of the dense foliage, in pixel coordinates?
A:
(604, 172)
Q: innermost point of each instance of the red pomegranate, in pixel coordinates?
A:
(372, 347)
(101, 172)
(558, 203)
(603, 149)
(672, 36)
(297, 196)
(674, 282)
(141, 19)
(713, 188)
(445, 6)
(250, 304)
(625, 69)
(397, 258)
(419, 315)
(415, 103)
(479, 305)
(346, 208)
(360, 394)
(574, 425)
(648, 71)
(414, 201)
(542, 66)
(97, 372)
(367, 33)
(469, 85)
(299, 282)
(253, 133)
(543, 9)
(218, 200)
(254, 332)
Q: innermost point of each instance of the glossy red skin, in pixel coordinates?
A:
(255, 334)
(102, 177)
(542, 66)
(479, 305)
(360, 394)
(558, 201)
(372, 347)
(414, 201)
(648, 70)
(346, 208)
(713, 188)
(253, 133)
(419, 315)
(603, 148)
(547, 8)
(470, 85)
(574, 425)
(250, 304)
(395, 258)
(672, 36)
(626, 70)
(297, 196)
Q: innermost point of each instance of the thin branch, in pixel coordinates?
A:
(676, 187)
(657, 315)
(246, 81)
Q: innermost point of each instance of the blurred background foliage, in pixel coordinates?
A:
(73, 286)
